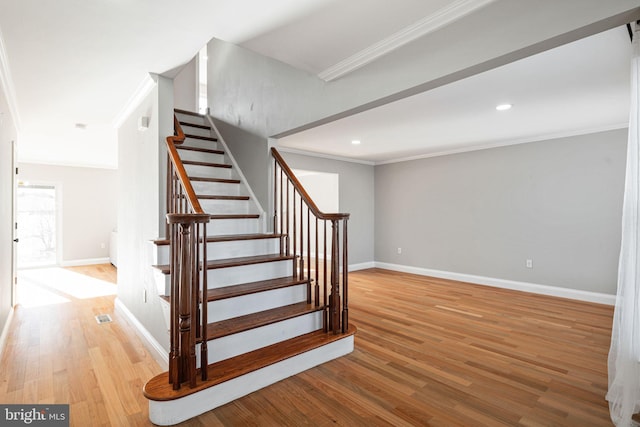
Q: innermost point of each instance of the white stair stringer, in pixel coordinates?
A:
(172, 412)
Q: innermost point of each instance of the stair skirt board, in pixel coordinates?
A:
(243, 342)
(227, 249)
(172, 412)
(253, 303)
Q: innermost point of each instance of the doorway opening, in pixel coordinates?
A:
(37, 226)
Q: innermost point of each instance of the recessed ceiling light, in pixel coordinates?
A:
(503, 107)
(356, 142)
(81, 126)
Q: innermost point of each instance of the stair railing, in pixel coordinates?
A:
(187, 232)
(318, 256)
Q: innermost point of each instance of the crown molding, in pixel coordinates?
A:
(144, 88)
(322, 155)
(426, 25)
(539, 138)
(7, 85)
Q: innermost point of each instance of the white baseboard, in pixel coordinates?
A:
(362, 266)
(555, 291)
(154, 347)
(5, 331)
(86, 261)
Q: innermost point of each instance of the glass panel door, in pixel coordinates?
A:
(36, 225)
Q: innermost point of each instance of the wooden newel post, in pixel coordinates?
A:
(334, 299)
(185, 297)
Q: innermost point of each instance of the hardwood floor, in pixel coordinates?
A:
(428, 352)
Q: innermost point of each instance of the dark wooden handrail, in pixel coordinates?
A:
(187, 233)
(181, 173)
(303, 193)
(301, 236)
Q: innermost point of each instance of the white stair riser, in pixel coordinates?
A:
(192, 119)
(163, 282)
(225, 227)
(220, 188)
(231, 249)
(202, 143)
(221, 206)
(219, 277)
(208, 171)
(175, 411)
(244, 342)
(253, 303)
(200, 156)
(189, 130)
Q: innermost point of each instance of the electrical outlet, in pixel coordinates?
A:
(102, 245)
(399, 250)
(529, 263)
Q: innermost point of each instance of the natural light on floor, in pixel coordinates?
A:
(45, 286)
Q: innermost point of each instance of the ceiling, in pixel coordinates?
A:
(69, 62)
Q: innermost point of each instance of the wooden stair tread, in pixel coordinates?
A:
(159, 388)
(228, 238)
(247, 260)
(239, 324)
(190, 113)
(220, 180)
(225, 292)
(201, 150)
(206, 138)
(213, 165)
(220, 197)
(195, 125)
(236, 262)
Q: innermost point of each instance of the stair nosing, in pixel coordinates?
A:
(228, 238)
(218, 180)
(273, 315)
(235, 262)
(221, 197)
(206, 164)
(205, 138)
(242, 289)
(189, 113)
(195, 125)
(199, 149)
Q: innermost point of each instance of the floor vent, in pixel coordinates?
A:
(103, 318)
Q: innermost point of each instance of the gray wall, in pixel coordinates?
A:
(7, 136)
(557, 202)
(141, 161)
(185, 87)
(356, 197)
(251, 152)
(86, 224)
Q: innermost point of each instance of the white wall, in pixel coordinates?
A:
(141, 165)
(484, 213)
(185, 87)
(7, 136)
(88, 207)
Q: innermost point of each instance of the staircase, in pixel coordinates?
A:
(265, 314)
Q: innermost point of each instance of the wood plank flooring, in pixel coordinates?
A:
(428, 352)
